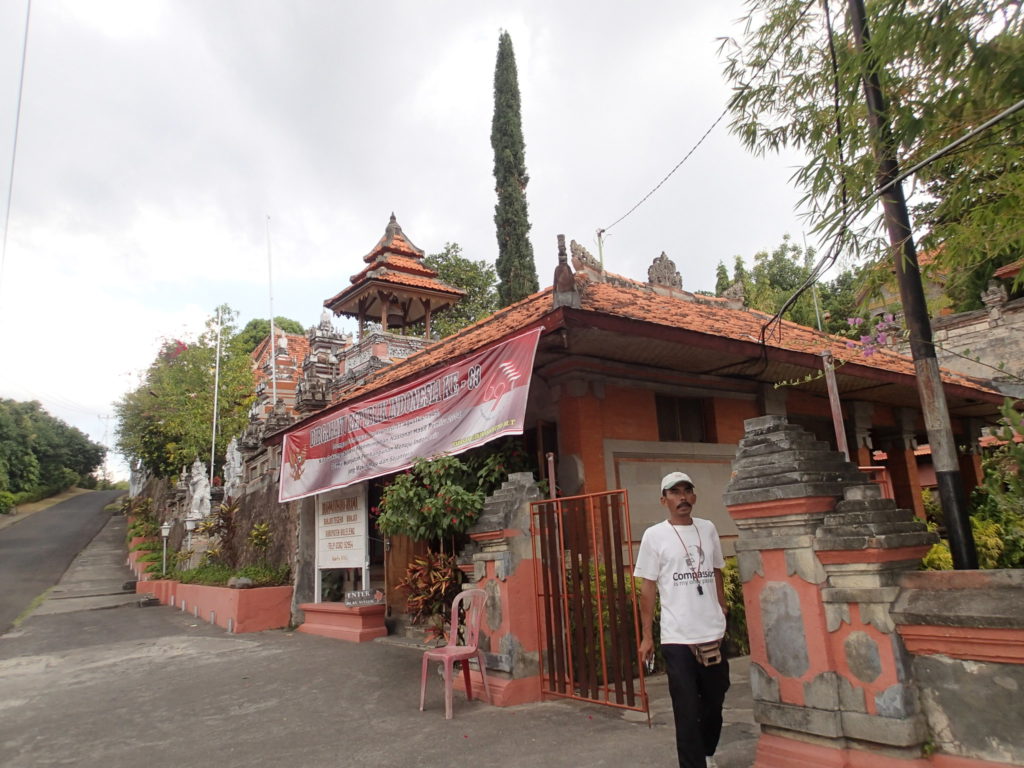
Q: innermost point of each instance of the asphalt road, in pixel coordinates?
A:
(35, 552)
(90, 684)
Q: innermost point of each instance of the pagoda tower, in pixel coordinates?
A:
(395, 288)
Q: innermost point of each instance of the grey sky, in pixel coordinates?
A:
(157, 136)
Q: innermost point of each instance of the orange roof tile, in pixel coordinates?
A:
(646, 306)
(394, 241)
(1010, 270)
(397, 263)
(298, 348)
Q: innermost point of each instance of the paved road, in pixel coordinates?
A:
(127, 687)
(36, 551)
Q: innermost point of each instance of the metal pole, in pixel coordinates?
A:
(164, 571)
(273, 341)
(216, 391)
(908, 274)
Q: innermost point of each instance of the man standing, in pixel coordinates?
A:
(681, 559)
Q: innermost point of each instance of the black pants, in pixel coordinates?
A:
(698, 693)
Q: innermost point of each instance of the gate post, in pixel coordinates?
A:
(819, 554)
(503, 567)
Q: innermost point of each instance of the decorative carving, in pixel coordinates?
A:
(278, 418)
(994, 297)
(582, 258)
(663, 272)
(735, 292)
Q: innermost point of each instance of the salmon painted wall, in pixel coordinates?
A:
(728, 416)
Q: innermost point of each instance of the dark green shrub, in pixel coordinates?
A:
(737, 642)
(266, 575)
(210, 574)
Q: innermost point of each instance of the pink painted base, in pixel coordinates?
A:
(779, 752)
(354, 623)
(250, 610)
(161, 589)
(504, 691)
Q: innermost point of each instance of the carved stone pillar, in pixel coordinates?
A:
(830, 682)
(503, 567)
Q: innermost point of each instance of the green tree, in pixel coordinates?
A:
(476, 278)
(776, 276)
(739, 274)
(257, 329)
(946, 67)
(39, 451)
(838, 299)
(515, 265)
(166, 422)
(722, 282)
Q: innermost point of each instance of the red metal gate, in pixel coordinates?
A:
(587, 610)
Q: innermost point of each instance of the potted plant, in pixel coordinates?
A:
(432, 582)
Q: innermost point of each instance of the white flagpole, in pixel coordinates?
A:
(273, 341)
(216, 391)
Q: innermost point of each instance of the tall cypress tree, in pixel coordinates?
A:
(517, 273)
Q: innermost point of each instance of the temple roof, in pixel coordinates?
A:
(394, 241)
(394, 272)
(634, 329)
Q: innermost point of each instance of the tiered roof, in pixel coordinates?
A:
(394, 273)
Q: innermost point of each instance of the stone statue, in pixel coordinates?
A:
(282, 344)
(233, 471)
(137, 479)
(199, 491)
(325, 321)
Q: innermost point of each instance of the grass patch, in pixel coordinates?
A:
(31, 607)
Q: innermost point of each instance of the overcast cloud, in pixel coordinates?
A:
(156, 137)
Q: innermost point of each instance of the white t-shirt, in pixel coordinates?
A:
(686, 616)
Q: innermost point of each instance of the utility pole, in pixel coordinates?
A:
(915, 311)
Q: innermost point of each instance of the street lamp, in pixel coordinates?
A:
(165, 531)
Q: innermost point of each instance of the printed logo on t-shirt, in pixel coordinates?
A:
(687, 578)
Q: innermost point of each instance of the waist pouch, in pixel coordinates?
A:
(708, 654)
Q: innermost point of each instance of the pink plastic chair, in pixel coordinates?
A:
(453, 652)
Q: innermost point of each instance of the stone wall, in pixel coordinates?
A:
(841, 676)
(965, 631)
(977, 343)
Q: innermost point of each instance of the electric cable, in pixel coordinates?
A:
(14, 146)
(833, 252)
(717, 120)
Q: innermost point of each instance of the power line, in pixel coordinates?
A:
(833, 253)
(717, 120)
(14, 146)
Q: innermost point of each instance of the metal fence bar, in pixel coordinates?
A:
(582, 564)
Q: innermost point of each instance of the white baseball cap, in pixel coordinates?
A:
(672, 479)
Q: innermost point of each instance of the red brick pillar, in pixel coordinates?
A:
(902, 464)
(503, 567)
(819, 552)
